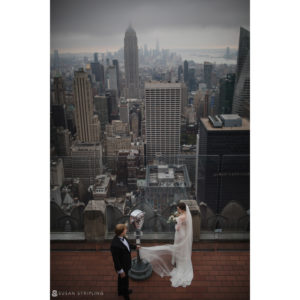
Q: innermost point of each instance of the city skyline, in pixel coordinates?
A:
(98, 26)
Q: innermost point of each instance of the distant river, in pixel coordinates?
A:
(202, 55)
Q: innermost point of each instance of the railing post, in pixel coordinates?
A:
(94, 220)
(195, 212)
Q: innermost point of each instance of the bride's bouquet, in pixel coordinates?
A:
(172, 217)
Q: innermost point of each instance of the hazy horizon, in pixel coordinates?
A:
(79, 26)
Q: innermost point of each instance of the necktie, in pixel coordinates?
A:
(122, 239)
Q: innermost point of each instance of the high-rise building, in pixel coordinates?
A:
(57, 172)
(85, 162)
(179, 72)
(208, 74)
(58, 91)
(131, 63)
(186, 72)
(184, 97)
(124, 111)
(222, 161)
(192, 80)
(134, 124)
(58, 116)
(241, 98)
(111, 96)
(163, 117)
(96, 57)
(111, 79)
(98, 70)
(101, 109)
(63, 142)
(87, 124)
(226, 94)
(116, 64)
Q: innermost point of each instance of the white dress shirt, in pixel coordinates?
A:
(124, 241)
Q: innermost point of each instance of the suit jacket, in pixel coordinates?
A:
(121, 255)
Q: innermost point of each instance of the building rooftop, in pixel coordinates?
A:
(167, 176)
(210, 127)
(221, 271)
(158, 84)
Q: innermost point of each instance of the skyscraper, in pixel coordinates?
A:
(101, 108)
(58, 91)
(112, 79)
(124, 111)
(186, 72)
(241, 98)
(180, 71)
(96, 57)
(131, 63)
(163, 111)
(226, 93)
(116, 64)
(98, 71)
(87, 124)
(223, 163)
(112, 105)
(208, 73)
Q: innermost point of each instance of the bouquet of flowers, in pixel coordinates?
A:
(172, 217)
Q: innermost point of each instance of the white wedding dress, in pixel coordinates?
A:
(163, 258)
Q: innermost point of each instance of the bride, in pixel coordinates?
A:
(174, 260)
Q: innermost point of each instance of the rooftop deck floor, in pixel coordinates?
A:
(221, 271)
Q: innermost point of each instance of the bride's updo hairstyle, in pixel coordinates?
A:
(182, 206)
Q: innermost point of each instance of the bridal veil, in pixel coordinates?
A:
(174, 259)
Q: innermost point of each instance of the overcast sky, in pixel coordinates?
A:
(98, 25)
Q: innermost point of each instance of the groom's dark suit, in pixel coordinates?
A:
(122, 260)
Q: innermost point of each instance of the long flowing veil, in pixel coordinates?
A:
(174, 259)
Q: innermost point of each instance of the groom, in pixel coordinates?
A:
(121, 252)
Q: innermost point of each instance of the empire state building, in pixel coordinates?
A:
(131, 63)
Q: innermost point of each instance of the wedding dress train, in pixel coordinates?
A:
(174, 260)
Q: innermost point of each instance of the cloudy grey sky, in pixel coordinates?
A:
(98, 25)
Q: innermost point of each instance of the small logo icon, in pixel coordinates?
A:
(54, 293)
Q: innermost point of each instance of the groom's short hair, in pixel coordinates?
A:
(119, 228)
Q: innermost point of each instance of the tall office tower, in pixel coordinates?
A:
(163, 112)
(192, 80)
(111, 79)
(84, 163)
(124, 111)
(98, 71)
(101, 109)
(96, 57)
(208, 73)
(112, 105)
(184, 97)
(87, 124)
(116, 64)
(241, 98)
(180, 72)
(131, 63)
(56, 61)
(134, 124)
(58, 116)
(58, 91)
(186, 72)
(64, 142)
(223, 162)
(226, 93)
